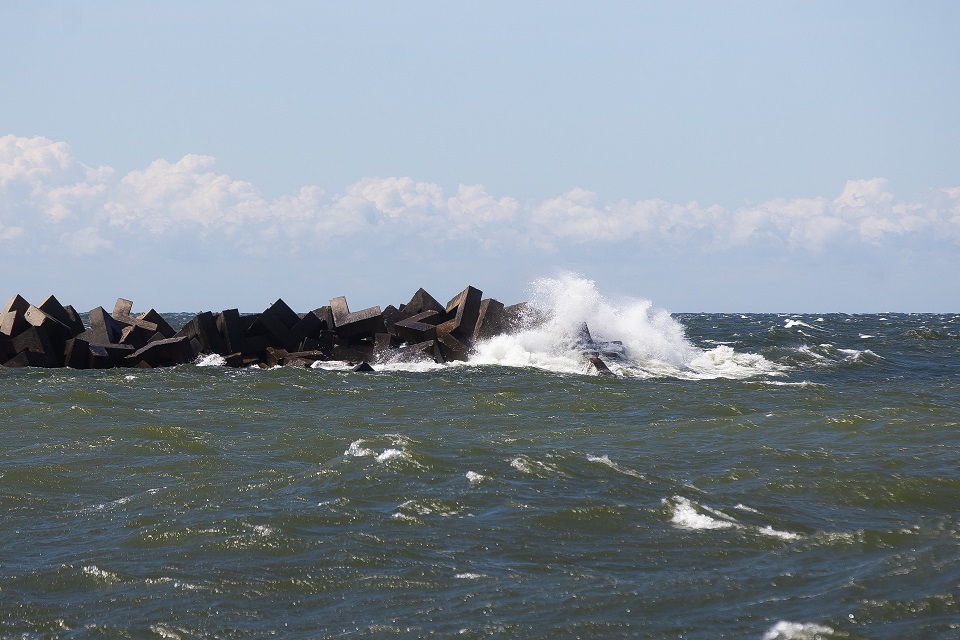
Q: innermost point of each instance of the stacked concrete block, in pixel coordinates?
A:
(53, 335)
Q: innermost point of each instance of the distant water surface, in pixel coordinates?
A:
(746, 476)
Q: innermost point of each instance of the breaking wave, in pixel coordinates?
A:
(633, 338)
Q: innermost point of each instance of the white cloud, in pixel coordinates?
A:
(46, 192)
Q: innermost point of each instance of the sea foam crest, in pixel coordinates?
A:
(784, 630)
(633, 336)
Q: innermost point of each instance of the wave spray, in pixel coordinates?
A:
(634, 337)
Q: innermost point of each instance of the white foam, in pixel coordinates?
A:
(784, 630)
(692, 516)
(211, 360)
(684, 514)
(390, 454)
(473, 477)
(357, 450)
(606, 461)
(651, 341)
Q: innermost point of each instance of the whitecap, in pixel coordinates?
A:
(784, 630)
(357, 450)
(473, 477)
(211, 360)
(606, 461)
(390, 454)
(684, 514)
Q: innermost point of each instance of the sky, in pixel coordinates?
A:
(707, 156)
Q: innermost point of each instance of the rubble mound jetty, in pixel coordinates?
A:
(53, 335)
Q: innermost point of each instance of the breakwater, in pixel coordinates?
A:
(51, 334)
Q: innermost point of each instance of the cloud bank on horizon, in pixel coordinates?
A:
(51, 199)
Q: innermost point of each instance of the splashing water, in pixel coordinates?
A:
(633, 337)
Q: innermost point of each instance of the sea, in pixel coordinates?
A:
(761, 476)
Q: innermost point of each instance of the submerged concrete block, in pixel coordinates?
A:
(363, 367)
(599, 367)
(466, 305)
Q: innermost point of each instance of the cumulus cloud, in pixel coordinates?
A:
(45, 192)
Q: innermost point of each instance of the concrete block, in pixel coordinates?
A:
(27, 359)
(363, 367)
(167, 352)
(103, 328)
(57, 332)
(275, 357)
(12, 322)
(16, 303)
(451, 347)
(122, 308)
(309, 326)
(75, 324)
(520, 316)
(230, 327)
(255, 345)
(390, 316)
(203, 328)
(234, 360)
(282, 313)
(76, 354)
(117, 354)
(65, 315)
(599, 367)
(421, 301)
(353, 353)
(99, 358)
(325, 313)
(466, 305)
(277, 332)
(422, 351)
(135, 336)
(413, 329)
(368, 322)
(163, 327)
(6, 349)
(37, 340)
(490, 322)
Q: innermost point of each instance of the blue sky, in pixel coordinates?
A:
(739, 156)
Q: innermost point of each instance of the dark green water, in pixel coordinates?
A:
(801, 480)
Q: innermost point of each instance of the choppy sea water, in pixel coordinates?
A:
(745, 476)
